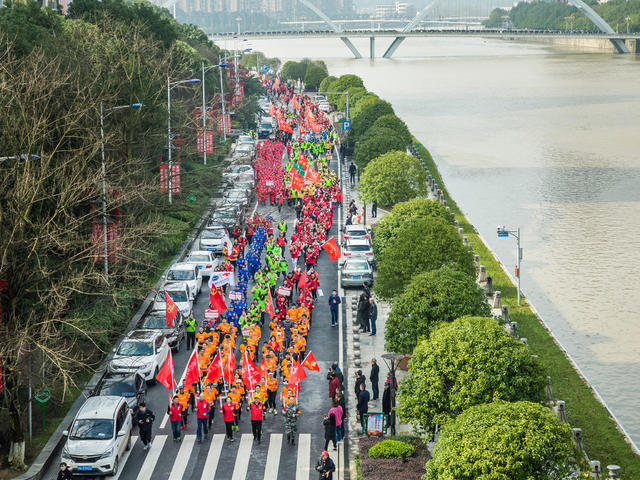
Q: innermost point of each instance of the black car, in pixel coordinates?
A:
(157, 320)
(131, 386)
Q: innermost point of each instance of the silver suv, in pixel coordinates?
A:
(99, 436)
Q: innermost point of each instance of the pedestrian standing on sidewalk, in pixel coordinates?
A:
(144, 419)
(336, 369)
(373, 316)
(374, 377)
(334, 383)
(174, 410)
(374, 209)
(190, 328)
(203, 410)
(257, 413)
(334, 305)
(336, 410)
(352, 173)
(363, 403)
(363, 311)
(325, 466)
(229, 417)
(386, 398)
(329, 423)
(360, 380)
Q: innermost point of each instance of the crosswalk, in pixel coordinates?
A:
(213, 459)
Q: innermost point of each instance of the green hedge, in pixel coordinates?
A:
(391, 449)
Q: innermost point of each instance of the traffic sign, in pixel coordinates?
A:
(346, 125)
(503, 234)
(265, 68)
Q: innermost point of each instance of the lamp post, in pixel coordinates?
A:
(392, 360)
(170, 85)
(503, 232)
(204, 112)
(103, 114)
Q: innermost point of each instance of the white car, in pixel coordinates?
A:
(355, 231)
(142, 351)
(213, 238)
(98, 436)
(244, 152)
(358, 247)
(324, 107)
(246, 140)
(180, 293)
(187, 273)
(237, 171)
(205, 260)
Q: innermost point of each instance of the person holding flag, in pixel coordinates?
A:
(257, 413)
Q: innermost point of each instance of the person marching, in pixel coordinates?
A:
(190, 328)
(272, 390)
(229, 417)
(291, 413)
(174, 410)
(257, 413)
(144, 418)
(203, 410)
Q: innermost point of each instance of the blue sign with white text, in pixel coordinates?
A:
(265, 68)
(346, 125)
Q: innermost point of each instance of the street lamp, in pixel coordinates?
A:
(170, 85)
(103, 114)
(503, 232)
(21, 157)
(204, 112)
(392, 364)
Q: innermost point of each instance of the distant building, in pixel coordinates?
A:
(385, 11)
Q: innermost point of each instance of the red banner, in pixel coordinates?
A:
(199, 142)
(164, 178)
(209, 141)
(175, 178)
(113, 238)
(227, 123)
(204, 141)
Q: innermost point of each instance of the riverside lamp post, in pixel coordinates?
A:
(392, 360)
(220, 66)
(170, 85)
(503, 232)
(104, 114)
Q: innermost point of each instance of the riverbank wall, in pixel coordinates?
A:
(584, 44)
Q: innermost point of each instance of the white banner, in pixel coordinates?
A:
(221, 278)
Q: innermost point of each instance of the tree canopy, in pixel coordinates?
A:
(423, 244)
(394, 123)
(365, 118)
(468, 362)
(375, 142)
(314, 75)
(429, 299)
(505, 441)
(294, 70)
(326, 81)
(406, 212)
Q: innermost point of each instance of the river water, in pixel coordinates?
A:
(548, 140)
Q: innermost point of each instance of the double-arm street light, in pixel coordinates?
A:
(503, 232)
(104, 114)
(220, 66)
(170, 85)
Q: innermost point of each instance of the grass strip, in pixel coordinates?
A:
(602, 439)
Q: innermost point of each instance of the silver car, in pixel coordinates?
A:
(358, 247)
(356, 231)
(244, 152)
(356, 271)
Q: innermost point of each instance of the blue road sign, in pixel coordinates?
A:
(503, 234)
(265, 68)
(346, 125)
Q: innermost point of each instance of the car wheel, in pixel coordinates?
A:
(129, 443)
(114, 472)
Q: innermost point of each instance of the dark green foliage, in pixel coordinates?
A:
(366, 118)
(393, 123)
(314, 75)
(375, 142)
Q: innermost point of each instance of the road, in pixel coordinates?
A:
(273, 459)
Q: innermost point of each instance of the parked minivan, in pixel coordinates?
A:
(98, 436)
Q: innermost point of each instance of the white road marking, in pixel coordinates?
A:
(273, 457)
(304, 456)
(320, 292)
(213, 457)
(242, 459)
(125, 457)
(152, 458)
(180, 465)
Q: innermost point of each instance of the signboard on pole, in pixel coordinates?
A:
(209, 141)
(226, 123)
(346, 125)
(175, 178)
(265, 68)
(376, 424)
(164, 178)
(97, 238)
(199, 142)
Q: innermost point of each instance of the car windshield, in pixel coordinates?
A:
(358, 248)
(155, 322)
(356, 266)
(136, 349)
(356, 232)
(266, 126)
(175, 295)
(124, 387)
(199, 259)
(181, 275)
(92, 429)
(213, 234)
(245, 139)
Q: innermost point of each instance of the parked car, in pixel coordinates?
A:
(212, 238)
(247, 140)
(98, 437)
(227, 216)
(324, 106)
(237, 197)
(179, 292)
(265, 130)
(187, 273)
(243, 152)
(131, 386)
(157, 320)
(355, 271)
(205, 260)
(356, 231)
(142, 351)
(235, 172)
(358, 247)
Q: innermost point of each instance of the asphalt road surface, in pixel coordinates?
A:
(273, 458)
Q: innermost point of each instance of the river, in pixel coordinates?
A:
(548, 140)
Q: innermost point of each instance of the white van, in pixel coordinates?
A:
(181, 295)
(98, 436)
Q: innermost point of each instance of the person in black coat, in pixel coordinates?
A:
(336, 369)
(363, 403)
(386, 399)
(329, 423)
(325, 466)
(375, 372)
(360, 380)
(373, 316)
(144, 419)
(64, 473)
(363, 311)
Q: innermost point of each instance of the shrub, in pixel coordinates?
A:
(391, 449)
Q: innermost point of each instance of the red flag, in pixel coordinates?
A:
(269, 306)
(296, 375)
(332, 249)
(165, 376)
(214, 372)
(250, 374)
(310, 362)
(297, 182)
(216, 301)
(171, 310)
(285, 127)
(192, 374)
(302, 283)
(263, 367)
(304, 161)
(272, 110)
(230, 367)
(312, 175)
